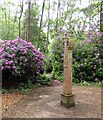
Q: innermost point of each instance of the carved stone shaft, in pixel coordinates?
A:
(67, 98)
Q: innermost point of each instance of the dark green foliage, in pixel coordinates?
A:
(87, 59)
(85, 65)
(43, 79)
(23, 88)
(57, 59)
(48, 64)
(57, 70)
(42, 42)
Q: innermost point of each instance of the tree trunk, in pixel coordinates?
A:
(20, 18)
(15, 20)
(8, 25)
(29, 4)
(40, 24)
(5, 21)
(101, 25)
(26, 34)
(47, 41)
(57, 15)
(101, 17)
(19, 27)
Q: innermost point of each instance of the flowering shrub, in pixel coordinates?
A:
(87, 59)
(20, 60)
(85, 64)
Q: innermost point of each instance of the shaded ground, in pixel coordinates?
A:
(9, 99)
(45, 103)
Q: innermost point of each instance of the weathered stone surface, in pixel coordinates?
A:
(67, 99)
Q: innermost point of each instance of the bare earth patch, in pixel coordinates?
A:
(45, 103)
(9, 99)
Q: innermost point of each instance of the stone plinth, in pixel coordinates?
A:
(67, 98)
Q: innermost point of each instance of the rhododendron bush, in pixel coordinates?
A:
(87, 59)
(20, 60)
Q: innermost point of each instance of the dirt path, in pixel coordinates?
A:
(45, 103)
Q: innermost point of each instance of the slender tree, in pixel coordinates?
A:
(29, 4)
(8, 25)
(41, 23)
(20, 18)
(47, 41)
(6, 17)
(101, 17)
(58, 8)
(15, 18)
(101, 30)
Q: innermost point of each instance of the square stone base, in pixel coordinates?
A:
(67, 100)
